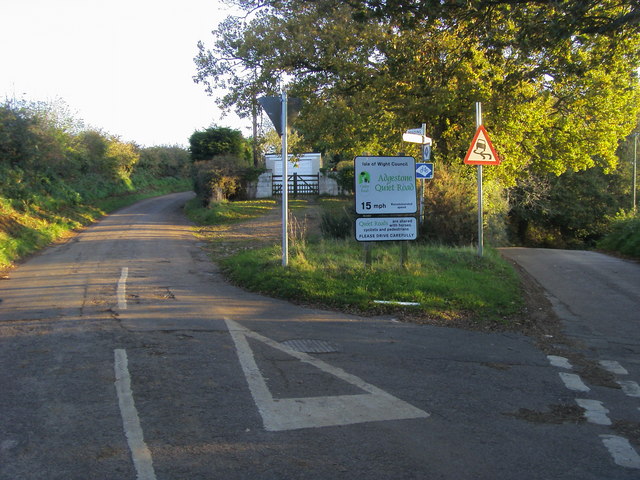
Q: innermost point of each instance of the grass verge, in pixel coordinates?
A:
(26, 228)
(452, 286)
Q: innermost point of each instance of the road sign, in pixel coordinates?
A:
(426, 153)
(273, 107)
(481, 151)
(416, 138)
(380, 229)
(417, 131)
(385, 185)
(424, 170)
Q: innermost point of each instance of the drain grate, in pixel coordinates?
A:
(311, 346)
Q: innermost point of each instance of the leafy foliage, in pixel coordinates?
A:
(214, 141)
(570, 210)
(56, 176)
(623, 235)
(558, 82)
(556, 102)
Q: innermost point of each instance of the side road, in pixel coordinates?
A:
(596, 296)
(597, 299)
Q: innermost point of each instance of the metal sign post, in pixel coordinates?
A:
(423, 170)
(480, 206)
(285, 184)
(281, 110)
(481, 152)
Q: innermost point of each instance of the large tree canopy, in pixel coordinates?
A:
(558, 80)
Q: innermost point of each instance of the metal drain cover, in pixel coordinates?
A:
(311, 346)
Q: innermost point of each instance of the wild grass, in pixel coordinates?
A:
(227, 212)
(447, 284)
(27, 226)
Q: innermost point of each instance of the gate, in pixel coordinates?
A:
(298, 184)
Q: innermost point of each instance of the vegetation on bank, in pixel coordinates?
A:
(623, 236)
(56, 175)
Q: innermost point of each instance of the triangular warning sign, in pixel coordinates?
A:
(481, 151)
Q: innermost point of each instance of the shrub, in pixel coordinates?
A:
(450, 209)
(336, 224)
(222, 179)
(344, 176)
(624, 235)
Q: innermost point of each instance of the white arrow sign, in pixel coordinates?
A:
(416, 138)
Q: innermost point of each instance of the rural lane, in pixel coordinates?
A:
(124, 354)
(596, 296)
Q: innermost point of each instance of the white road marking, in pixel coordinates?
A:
(621, 451)
(122, 289)
(315, 412)
(613, 367)
(595, 411)
(393, 302)
(133, 431)
(573, 382)
(630, 388)
(560, 362)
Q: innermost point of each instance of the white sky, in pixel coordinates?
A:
(123, 66)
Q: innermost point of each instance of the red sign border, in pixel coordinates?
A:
(473, 143)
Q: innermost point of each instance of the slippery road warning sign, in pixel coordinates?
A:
(481, 151)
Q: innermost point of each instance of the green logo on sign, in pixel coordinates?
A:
(364, 177)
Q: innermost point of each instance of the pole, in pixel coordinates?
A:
(285, 184)
(635, 166)
(424, 159)
(480, 220)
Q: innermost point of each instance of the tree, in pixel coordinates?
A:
(552, 102)
(206, 144)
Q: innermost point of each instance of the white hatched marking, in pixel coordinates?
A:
(595, 412)
(621, 451)
(560, 362)
(573, 382)
(630, 388)
(613, 367)
(314, 412)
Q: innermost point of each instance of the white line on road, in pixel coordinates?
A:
(595, 411)
(313, 412)
(122, 289)
(139, 451)
(573, 382)
(613, 367)
(630, 388)
(560, 362)
(621, 451)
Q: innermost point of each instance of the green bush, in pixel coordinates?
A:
(344, 176)
(223, 178)
(337, 223)
(450, 209)
(624, 235)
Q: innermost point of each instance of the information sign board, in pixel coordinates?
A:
(385, 185)
(380, 229)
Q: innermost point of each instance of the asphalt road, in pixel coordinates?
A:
(124, 355)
